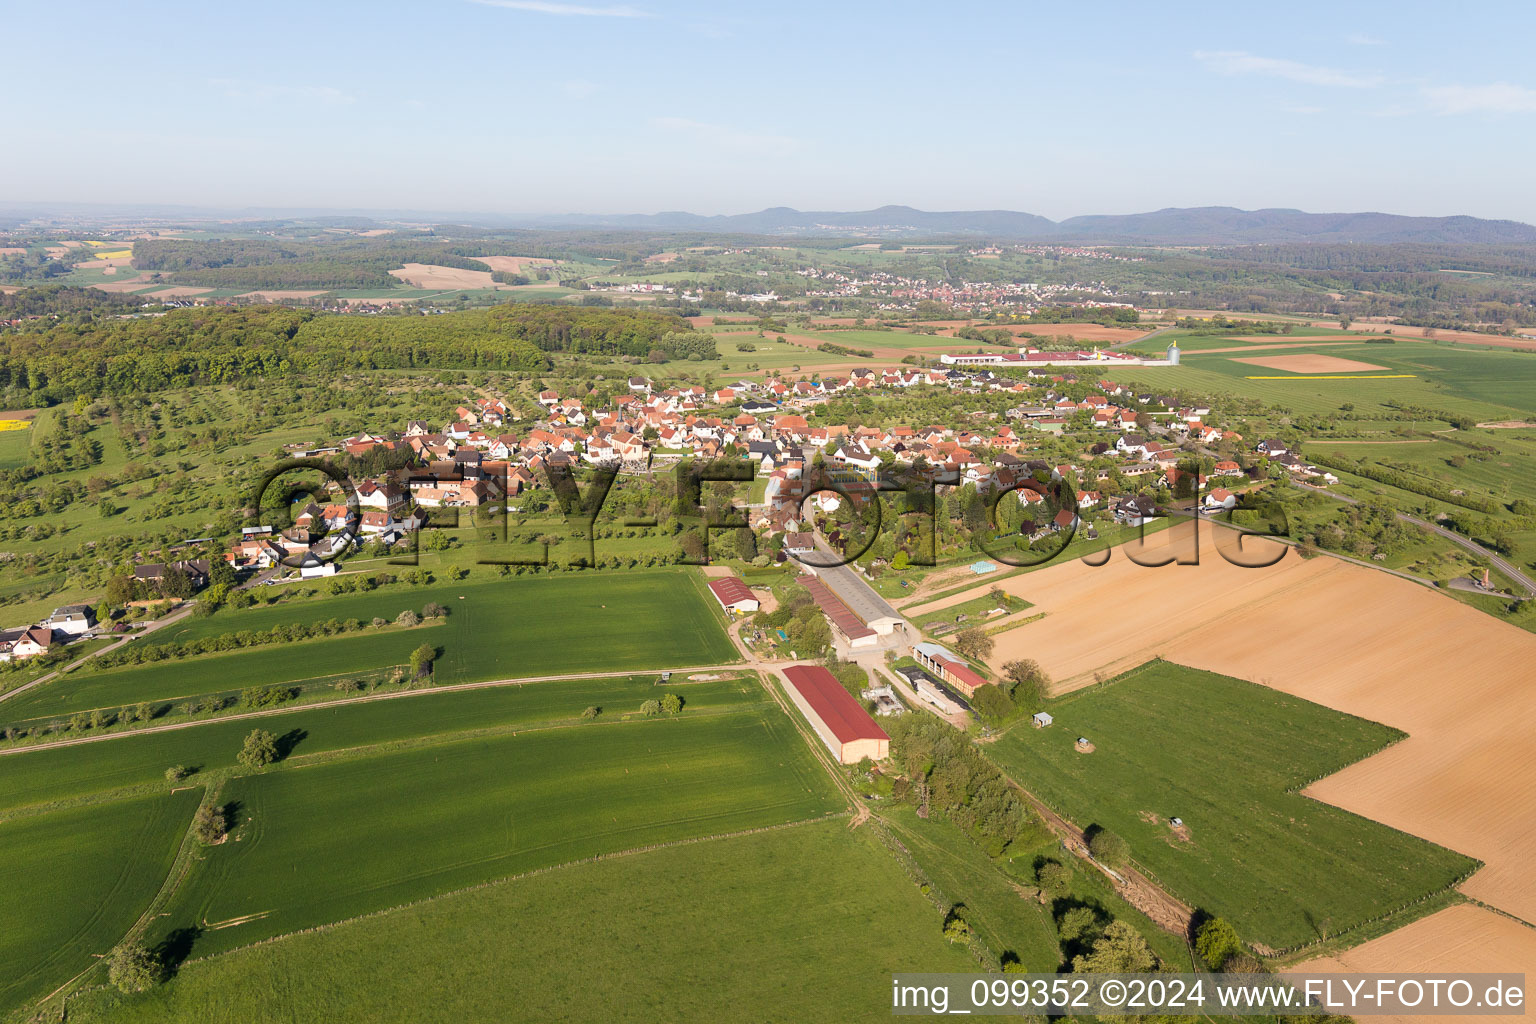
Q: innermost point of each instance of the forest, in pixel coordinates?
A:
(54, 361)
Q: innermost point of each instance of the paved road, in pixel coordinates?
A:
(1498, 562)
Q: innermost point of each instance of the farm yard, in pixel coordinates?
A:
(1285, 870)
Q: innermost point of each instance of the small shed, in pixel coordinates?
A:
(1042, 719)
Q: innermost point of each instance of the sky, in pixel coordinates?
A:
(640, 106)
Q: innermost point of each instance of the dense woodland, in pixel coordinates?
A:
(54, 361)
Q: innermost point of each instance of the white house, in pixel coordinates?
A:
(72, 619)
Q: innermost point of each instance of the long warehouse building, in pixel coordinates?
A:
(841, 722)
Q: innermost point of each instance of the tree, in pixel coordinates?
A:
(259, 750)
(671, 703)
(1217, 942)
(433, 610)
(177, 772)
(992, 704)
(132, 968)
(209, 824)
(407, 618)
(651, 708)
(1026, 684)
(1108, 848)
(1120, 950)
(591, 711)
(1080, 926)
(1053, 877)
(421, 660)
(956, 928)
(746, 545)
(974, 643)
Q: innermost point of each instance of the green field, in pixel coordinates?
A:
(1006, 921)
(736, 929)
(496, 629)
(75, 881)
(1224, 755)
(43, 775)
(325, 843)
(15, 448)
(1486, 384)
(974, 611)
(84, 689)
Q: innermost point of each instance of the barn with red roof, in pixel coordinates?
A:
(840, 720)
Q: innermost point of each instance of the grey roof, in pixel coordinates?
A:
(859, 596)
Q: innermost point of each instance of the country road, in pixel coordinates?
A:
(1498, 562)
(160, 623)
(394, 695)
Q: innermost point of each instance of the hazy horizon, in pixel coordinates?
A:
(536, 107)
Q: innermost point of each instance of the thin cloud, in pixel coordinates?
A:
(1499, 98)
(721, 137)
(262, 92)
(1300, 108)
(1240, 62)
(566, 10)
(1361, 39)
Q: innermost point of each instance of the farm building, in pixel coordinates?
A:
(931, 690)
(840, 615)
(734, 596)
(1042, 719)
(843, 725)
(858, 597)
(949, 667)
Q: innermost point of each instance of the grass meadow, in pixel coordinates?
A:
(75, 880)
(1225, 756)
(963, 872)
(1488, 385)
(46, 775)
(85, 690)
(496, 629)
(729, 929)
(332, 841)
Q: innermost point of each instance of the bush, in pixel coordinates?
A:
(177, 772)
(1053, 877)
(259, 750)
(209, 824)
(1107, 847)
(992, 704)
(1217, 942)
(132, 968)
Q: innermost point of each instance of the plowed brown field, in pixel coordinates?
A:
(1458, 681)
(1461, 938)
